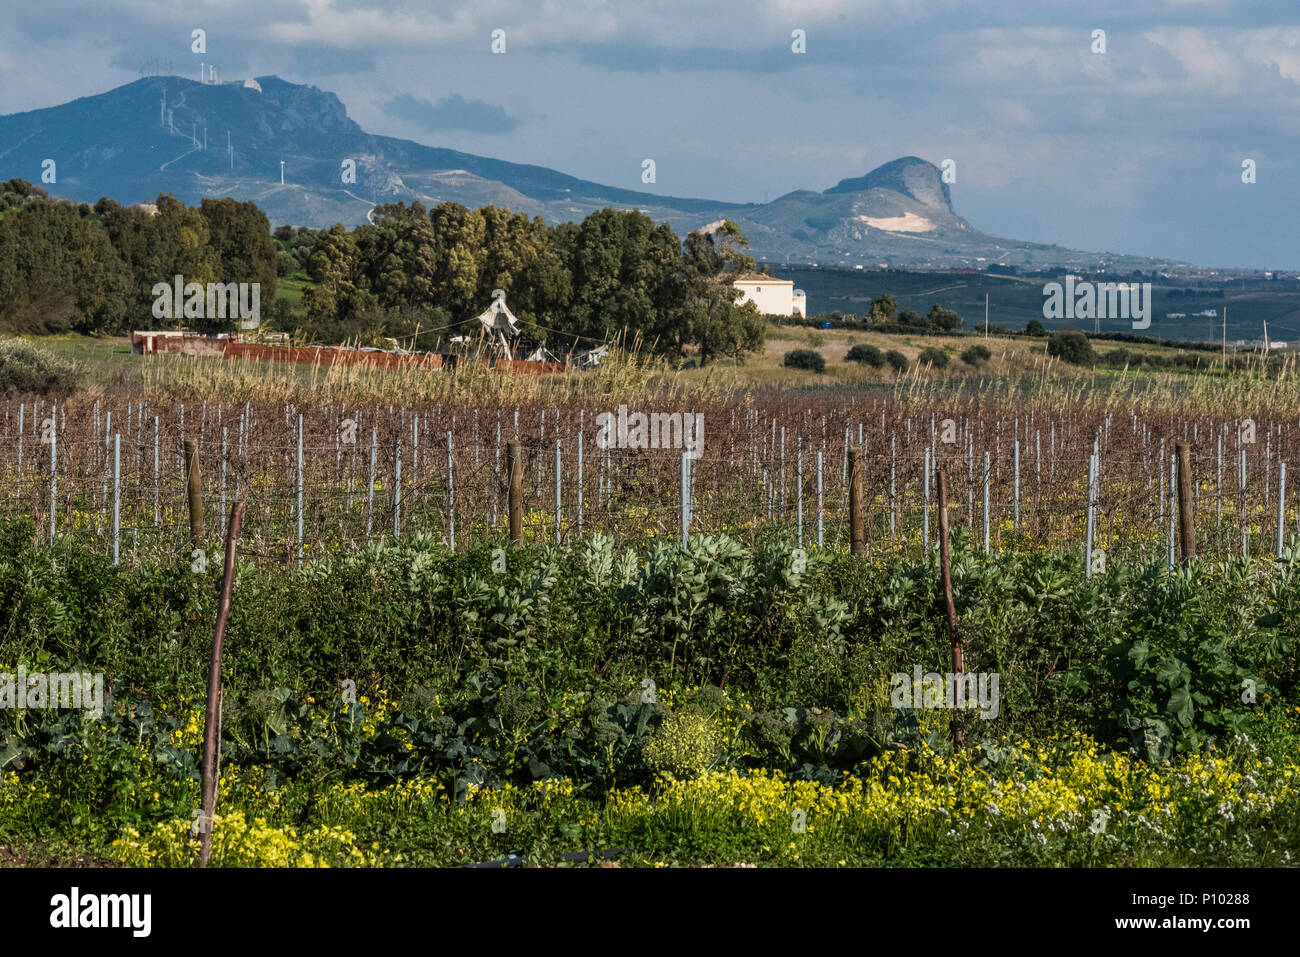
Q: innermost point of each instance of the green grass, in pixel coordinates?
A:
(292, 288)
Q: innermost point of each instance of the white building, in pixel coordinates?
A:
(772, 296)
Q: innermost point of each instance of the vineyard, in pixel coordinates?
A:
(680, 659)
(111, 472)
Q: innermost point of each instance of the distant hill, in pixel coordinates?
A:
(147, 137)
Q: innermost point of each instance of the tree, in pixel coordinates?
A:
(184, 242)
(625, 275)
(240, 235)
(335, 267)
(939, 319)
(398, 257)
(1071, 346)
(459, 258)
(712, 320)
(883, 308)
(1034, 328)
(58, 271)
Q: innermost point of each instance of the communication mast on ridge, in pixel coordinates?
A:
(155, 66)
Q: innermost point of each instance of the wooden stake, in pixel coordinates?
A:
(1186, 519)
(195, 485)
(212, 717)
(857, 537)
(515, 463)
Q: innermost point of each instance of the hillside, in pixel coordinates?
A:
(170, 135)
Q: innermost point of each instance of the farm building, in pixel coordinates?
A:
(772, 296)
(180, 341)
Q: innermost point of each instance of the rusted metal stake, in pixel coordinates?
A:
(945, 568)
(212, 717)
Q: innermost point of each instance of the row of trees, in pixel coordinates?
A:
(614, 274)
(66, 266)
(92, 269)
(884, 314)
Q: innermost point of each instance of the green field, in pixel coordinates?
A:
(1014, 301)
(405, 686)
(714, 705)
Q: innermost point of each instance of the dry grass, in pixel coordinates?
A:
(1019, 372)
(624, 377)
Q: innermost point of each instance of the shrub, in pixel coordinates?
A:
(25, 367)
(1071, 346)
(896, 360)
(934, 356)
(1122, 357)
(975, 355)
(1034, 328)
(804, 359)
(868, 355)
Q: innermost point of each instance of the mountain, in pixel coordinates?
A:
(170, 135)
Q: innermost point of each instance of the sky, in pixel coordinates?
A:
(1137, 149)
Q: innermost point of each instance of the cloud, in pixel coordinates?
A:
(452, 113)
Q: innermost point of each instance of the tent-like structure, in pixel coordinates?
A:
(500, 323)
